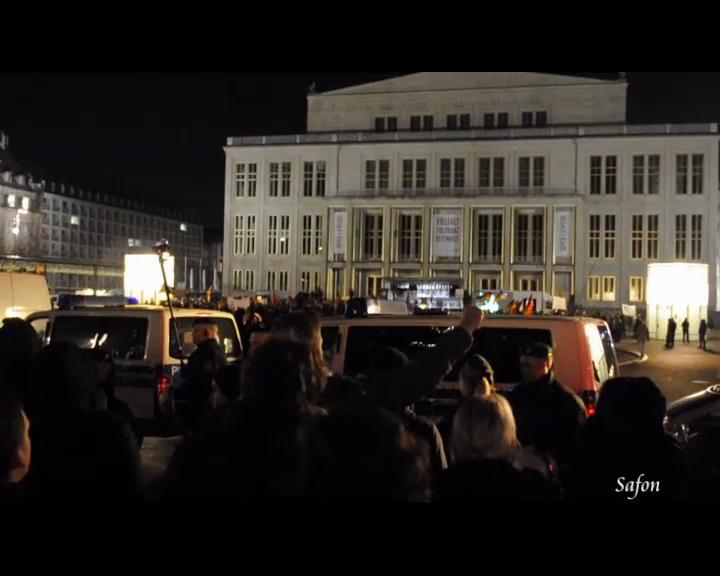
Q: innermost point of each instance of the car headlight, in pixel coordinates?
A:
(680, 432)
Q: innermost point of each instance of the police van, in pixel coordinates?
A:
(141, 342)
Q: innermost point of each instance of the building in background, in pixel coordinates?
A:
(520, 181)
(80, 238)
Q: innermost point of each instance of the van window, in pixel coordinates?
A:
(227, 334)
(39, 325)
(124, 338)
(597, 353)
(501, 347)
(331, 342)
(364, 341)
(612, 367)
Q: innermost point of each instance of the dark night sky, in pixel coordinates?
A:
(159, 137)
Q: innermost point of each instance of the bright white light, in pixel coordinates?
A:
(143, 277)
(75, 220)
(13, 313)
(490, 305)
(677, 285)
(183, 227)
(25, 203)
(11, 200)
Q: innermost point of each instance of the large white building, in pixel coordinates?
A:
(512, 180)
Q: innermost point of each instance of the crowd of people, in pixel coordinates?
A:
(281, 426)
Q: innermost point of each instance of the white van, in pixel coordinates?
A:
(142, 344)
(584, 352)
(22, 293)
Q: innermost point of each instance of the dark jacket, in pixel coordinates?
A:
(198, 375)
(425, 429)
(492, 479)
(85, 455)
(396, 389)
(550, 417)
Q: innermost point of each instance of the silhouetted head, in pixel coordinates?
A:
(365, 453)
(476, 377)
(633, 404)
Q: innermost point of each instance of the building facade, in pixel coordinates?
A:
(80, 238)
(519, 181)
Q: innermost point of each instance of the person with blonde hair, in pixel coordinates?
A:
(484, 428)
(486, 457)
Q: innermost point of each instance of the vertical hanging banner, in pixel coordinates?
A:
(447, 234)
(339, 231)
(563, 236)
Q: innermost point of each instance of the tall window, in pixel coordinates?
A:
(489, 236)
(308, 179)
(428, 122)
(603, 175)
(637, 289)
(609, 236)
(284, 234)
(531, 172)
(272, 235)
(491, 172)
(489, 121)
(698, 164)
(680, 236)
(608, 294)
(237, 279)
(594, 288)
(409, 236)
(528, 237)
(312, 235)
(653, 236)
(595, 175)
(372, 235)
(681, 173)
(696, 237)
(452, 173)
(414, 174)
(502, 120)
(594, 238)
(274, 179)
(286, 178)
(283, 284)
(377, 174)
(245, 180)
(646, 174)
(271, 277)
(637, 237)
(250, 233)
(653, 174)
(314, 179)
(239, 236)
(249, 280)
(305, 282)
